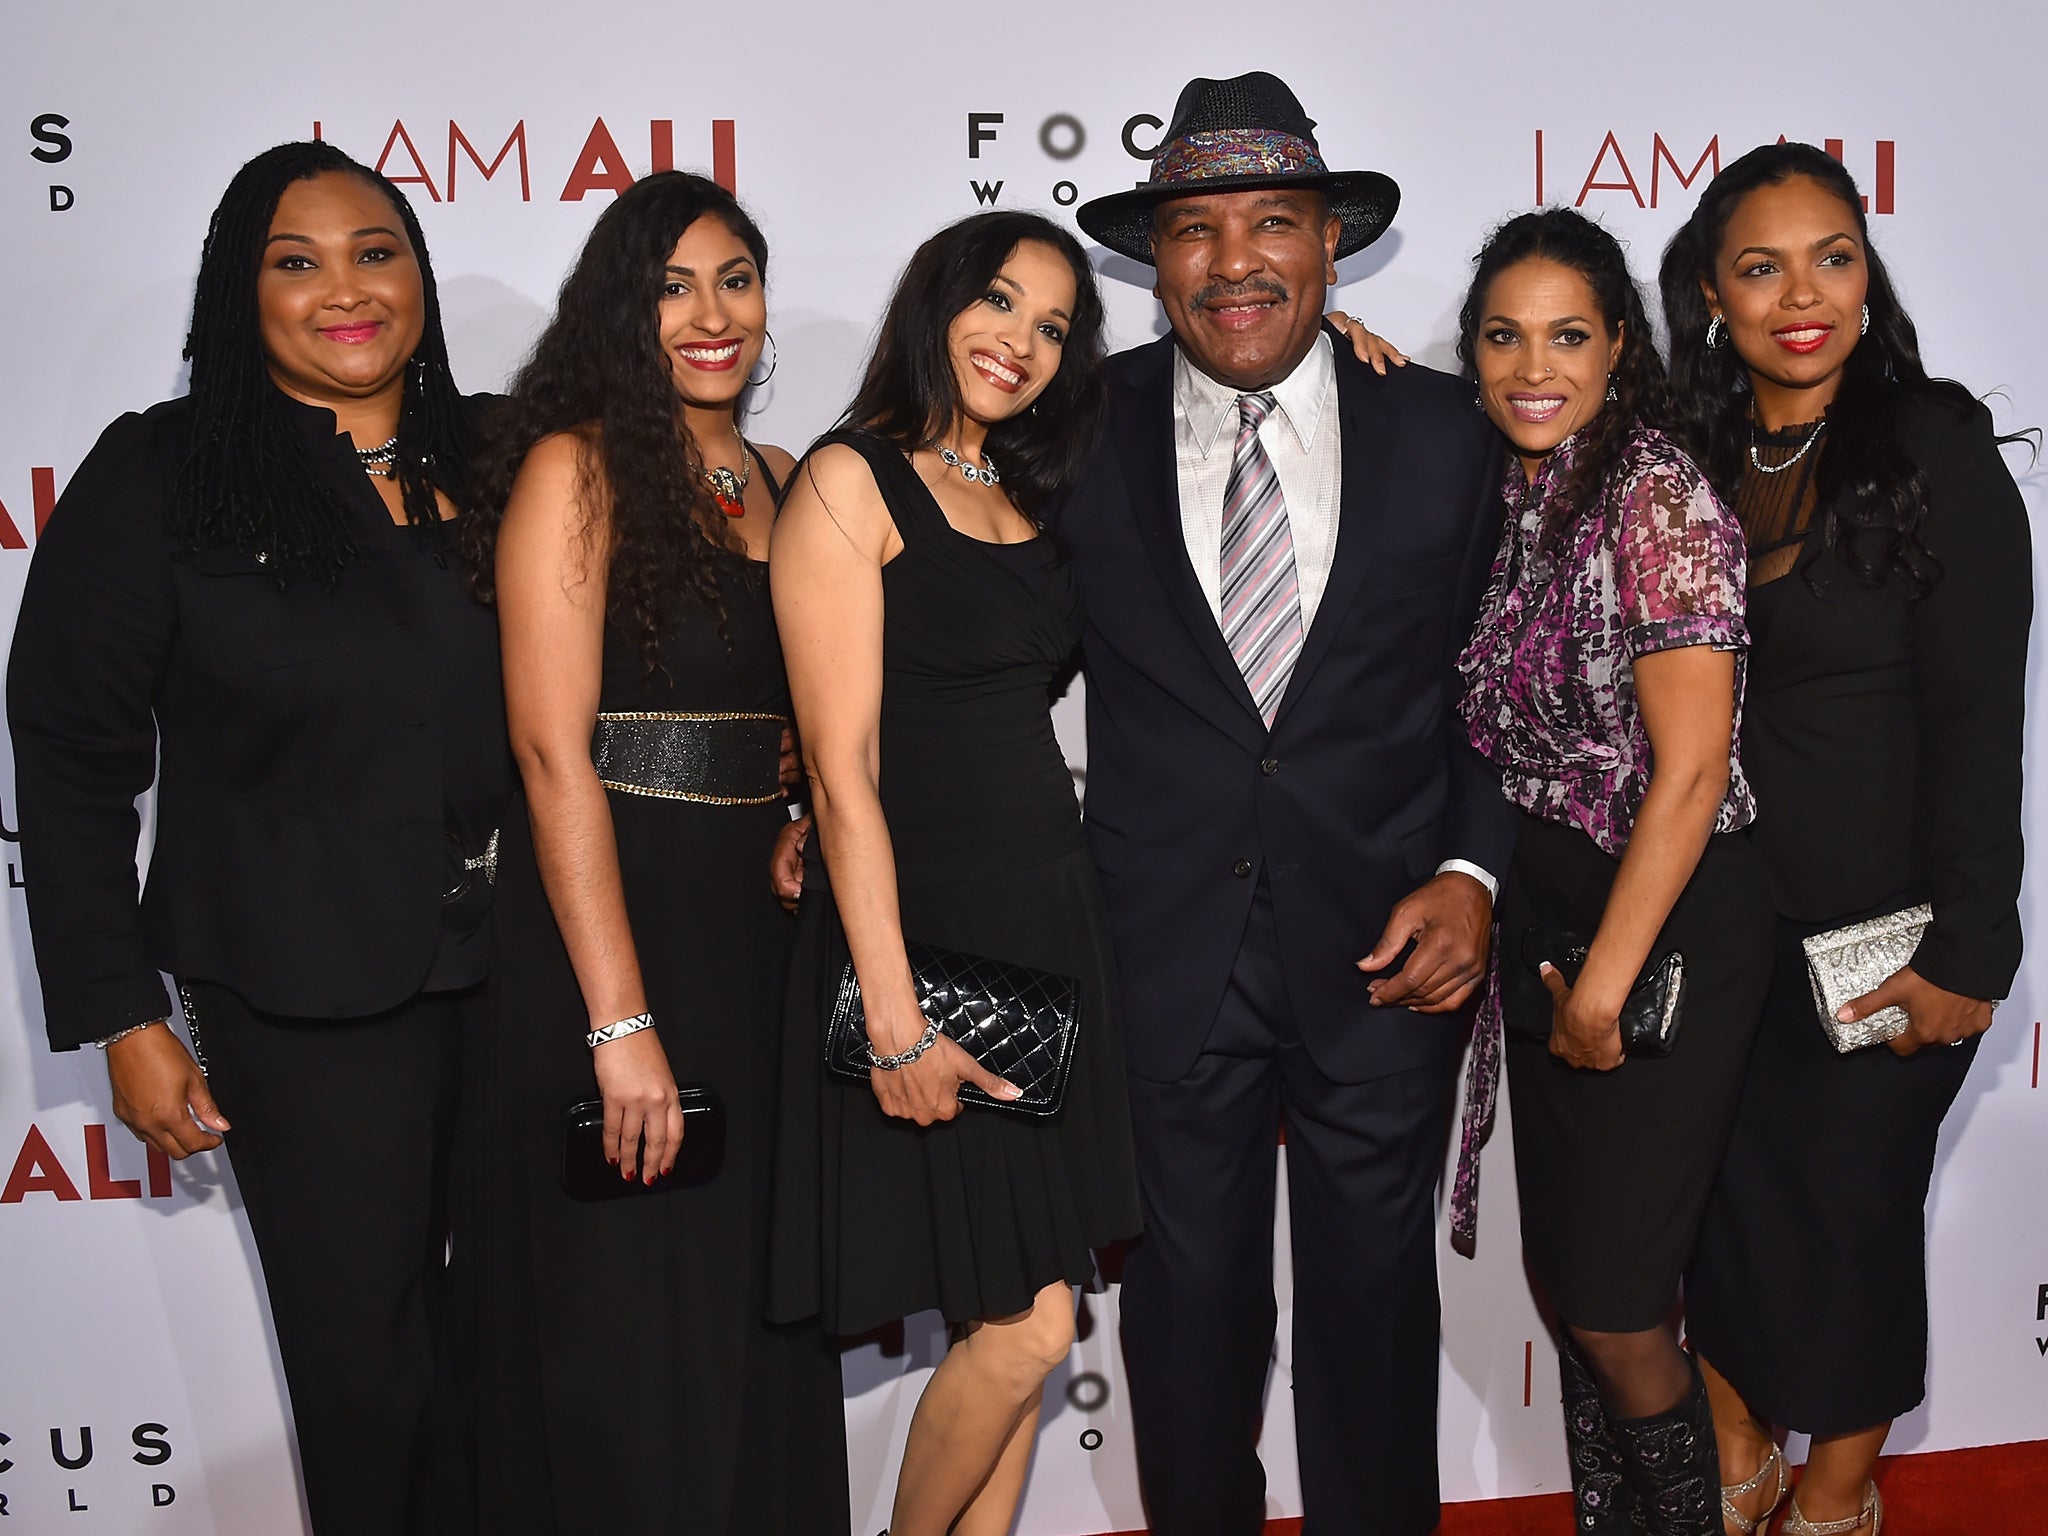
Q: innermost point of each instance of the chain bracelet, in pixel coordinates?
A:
(902, 1059)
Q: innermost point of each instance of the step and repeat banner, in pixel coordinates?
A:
(138, 1383)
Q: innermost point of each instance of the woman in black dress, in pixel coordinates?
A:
(626, 1380)
(249, 595)
(1890, 600)
(924, 617)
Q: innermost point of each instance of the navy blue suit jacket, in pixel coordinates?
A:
(1364, 784)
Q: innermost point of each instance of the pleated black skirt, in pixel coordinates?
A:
(1615, 1168)
(1809, 1291)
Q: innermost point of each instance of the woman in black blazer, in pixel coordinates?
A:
(251, 595)
(1890, 597)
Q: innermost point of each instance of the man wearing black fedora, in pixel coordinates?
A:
(1281, 553)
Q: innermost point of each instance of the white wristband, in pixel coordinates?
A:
(1467, 867)
(620, 1030)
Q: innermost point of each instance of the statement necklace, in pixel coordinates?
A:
(985, 474)
(729, 489)
(1778, 469)
(382, 460)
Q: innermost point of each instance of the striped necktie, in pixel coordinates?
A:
(1261, 598)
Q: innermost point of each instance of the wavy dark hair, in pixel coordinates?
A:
(909, 395)
(1873, 495)
(1570, 239)
(247, 481)
(600, 371)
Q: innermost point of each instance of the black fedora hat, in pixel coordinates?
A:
(1230, 136)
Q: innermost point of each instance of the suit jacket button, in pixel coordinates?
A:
(1242, 869)
(1270, 766)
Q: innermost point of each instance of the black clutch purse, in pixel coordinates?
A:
(586, 1175)
(1650, 1018)
(1017, 1022)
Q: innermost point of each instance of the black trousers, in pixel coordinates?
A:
(342, 1140)
(1363, 1160)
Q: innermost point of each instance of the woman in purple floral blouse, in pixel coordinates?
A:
(1605, 678)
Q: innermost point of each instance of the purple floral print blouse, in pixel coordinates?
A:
(1549, 672)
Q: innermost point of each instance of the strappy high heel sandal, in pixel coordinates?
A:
(1797, 1524)
(1774, 1466)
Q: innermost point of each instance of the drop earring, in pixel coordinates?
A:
(1613, 394)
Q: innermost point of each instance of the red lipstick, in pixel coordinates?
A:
(1803, 337)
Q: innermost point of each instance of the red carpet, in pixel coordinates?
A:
(1994, 1490)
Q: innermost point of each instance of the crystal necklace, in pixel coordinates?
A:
(728, 489)
(984, 474)
(1778, 469)
(382, 460)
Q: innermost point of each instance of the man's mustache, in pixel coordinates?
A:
(1211, 293)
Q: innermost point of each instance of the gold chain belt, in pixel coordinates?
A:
(727, 758)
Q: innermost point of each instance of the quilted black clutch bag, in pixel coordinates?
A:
(1650, 1016)
(1017, 1022)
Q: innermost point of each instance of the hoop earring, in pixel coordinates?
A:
(774, 357)
(1863, 329)
(1717, 333)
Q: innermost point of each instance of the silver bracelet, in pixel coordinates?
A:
(620, 1030)
(123, 1034)
(902, 1059)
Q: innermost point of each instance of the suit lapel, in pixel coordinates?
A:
(1143, 434)
(1365, 449)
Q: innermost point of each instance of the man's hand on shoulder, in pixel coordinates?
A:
(1448, 921)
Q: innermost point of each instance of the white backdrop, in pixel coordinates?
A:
(129, 1311)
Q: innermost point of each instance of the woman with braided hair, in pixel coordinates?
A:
(250, 596)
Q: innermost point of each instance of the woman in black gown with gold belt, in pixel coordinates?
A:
(924, 618)
(625, 1379)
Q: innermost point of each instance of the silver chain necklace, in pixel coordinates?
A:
(984, 475)
(1778, 469)
(381, 460)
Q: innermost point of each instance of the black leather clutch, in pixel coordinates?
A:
(1650, 1018)
(586, 1175)
(1018, 1022)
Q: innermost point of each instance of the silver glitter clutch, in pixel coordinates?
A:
(1845, 963)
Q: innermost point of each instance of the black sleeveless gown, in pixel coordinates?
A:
(627, 1380)
(877, 1218)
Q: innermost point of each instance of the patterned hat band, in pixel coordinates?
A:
(1235, 152)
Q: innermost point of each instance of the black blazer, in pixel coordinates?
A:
(1365, 782)
(1883, 733)
(301, 848)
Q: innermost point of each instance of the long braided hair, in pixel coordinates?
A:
(247, 481)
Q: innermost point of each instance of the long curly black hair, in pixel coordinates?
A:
(909, 395)
(1570, 239)
(1873, 494)
(247, 481)
(599, 370)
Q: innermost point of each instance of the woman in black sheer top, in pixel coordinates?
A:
(1889, 606)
